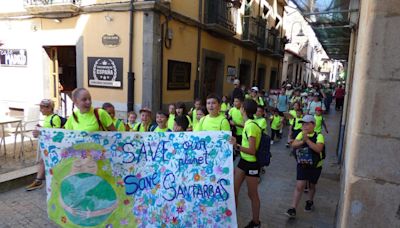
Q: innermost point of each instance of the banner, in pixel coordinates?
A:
(112, 179)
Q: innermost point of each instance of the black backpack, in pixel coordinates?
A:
(263, 153)
(63, 120)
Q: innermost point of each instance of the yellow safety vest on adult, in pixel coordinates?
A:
(88, 121)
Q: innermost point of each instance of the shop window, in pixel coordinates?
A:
(178, 75)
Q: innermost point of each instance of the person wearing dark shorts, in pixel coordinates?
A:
(248, 168)
(309, 146)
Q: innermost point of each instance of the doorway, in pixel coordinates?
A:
(273, 81)
(244, 74)
(261, 78)
(212, 79)
(63, 78)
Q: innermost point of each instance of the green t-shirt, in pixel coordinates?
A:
(250, 130)
(262, 122)
(297, 125)
(320, 139)
(237, 119)
(158, 129)
(293, 114)
(119, 124)
(141, 128)
(56, 121)
(276, 122)
(318, 123)
(171, 121)
(88, 122)
(194, 117)
(219, 123)
(224, 107)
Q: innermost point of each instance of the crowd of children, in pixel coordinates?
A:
(246, 115)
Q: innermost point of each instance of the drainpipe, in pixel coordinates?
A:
(196, 93)
(162, 62)
(256, 51)
(131, 75)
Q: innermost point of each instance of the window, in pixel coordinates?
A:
(178, 75)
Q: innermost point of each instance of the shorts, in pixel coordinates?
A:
(310, 174)
(251, 169)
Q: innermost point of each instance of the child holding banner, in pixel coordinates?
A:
(86, 118)
(171, 117)
(161, 119)
(214, 121)
(51, 120)
(146, 122)
(118, 123)
(248, 168)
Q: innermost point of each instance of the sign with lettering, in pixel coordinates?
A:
(112, 40)
(111, 179)
(105, 72)
(13, 57)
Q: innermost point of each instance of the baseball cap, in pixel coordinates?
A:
(145, 109)
(287, 85)
(255, 88)
(318, 109)
(236, 82)
(307, 119)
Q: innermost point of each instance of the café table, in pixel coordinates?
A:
(4, 120)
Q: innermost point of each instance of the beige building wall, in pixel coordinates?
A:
(370, 195)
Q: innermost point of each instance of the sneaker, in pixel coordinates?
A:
(309, 206)
(291, 213)
(287, 145)
(35, 185)
(272, 142)
(253, 224)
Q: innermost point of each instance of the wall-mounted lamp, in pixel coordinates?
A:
(301, 33)
(108, 18)
(57, 20)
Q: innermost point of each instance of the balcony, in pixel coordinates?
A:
(249, 28)
(220, 17)
(52, 6)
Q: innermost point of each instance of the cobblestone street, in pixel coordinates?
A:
(28, 209)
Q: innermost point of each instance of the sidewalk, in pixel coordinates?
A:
(28, 209)
(277, 186)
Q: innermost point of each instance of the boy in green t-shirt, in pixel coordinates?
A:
(161, 119)
(193, 111)
(118, 123)
(276, 125)
(214, 121)
(236, 118)
(319, 121)
(181, 123)
(171, 117)
(51, 120)
(259, 118)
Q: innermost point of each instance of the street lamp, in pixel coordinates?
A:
(301, 33)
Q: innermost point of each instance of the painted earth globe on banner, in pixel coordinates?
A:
(87, 199)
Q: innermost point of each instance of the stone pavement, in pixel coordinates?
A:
(28, 209)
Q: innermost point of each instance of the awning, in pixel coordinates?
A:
(331, 23)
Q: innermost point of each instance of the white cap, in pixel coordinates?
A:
(236, 82)
(255, 88)
(307, 119)
(288, 85)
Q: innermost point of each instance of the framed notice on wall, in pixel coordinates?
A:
(13, 57)
(178, 75)
(105, 72)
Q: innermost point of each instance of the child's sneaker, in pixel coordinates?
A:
(253, 224)
(272, 142)
(309, 206)
(291, 213)
(36, 184)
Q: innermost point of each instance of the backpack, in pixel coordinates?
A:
(152, 127)
(63, 120)
(263, 153)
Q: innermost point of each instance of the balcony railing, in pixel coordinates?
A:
(52, 6)
(249, 29)
(220, 17)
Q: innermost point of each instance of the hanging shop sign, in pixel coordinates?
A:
(110, 40)
(105, 72)
(13, 57)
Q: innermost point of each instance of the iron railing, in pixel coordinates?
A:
(51, 2)
(250, 29)
(220, 12)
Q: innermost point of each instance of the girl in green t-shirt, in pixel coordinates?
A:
(248, 168)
